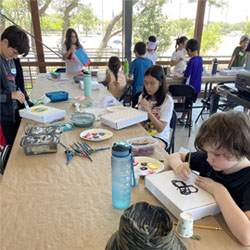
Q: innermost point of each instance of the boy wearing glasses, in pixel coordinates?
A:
(222, 159)
(13, 43)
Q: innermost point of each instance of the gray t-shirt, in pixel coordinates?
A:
(9, 69)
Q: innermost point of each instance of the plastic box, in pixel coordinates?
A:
(143, 145)
(82, 119)
(40, 144)
(58, 96)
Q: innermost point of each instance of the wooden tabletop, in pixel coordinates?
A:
(206, 79)
(48, 205)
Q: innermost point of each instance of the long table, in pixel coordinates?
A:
(48, 205)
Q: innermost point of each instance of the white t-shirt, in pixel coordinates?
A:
(181, 66)
(163, 113)
(72, 66)
(153, 57)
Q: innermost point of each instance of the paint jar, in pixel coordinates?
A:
(122, 174)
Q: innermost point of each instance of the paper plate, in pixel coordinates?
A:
(152, 165)
(96, 134)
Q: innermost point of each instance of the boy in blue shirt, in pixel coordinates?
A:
(193, 72)
(138, 68)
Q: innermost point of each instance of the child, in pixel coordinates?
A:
(223, 162)
(193, 73)
(115, 81)
(138, 67)
(70, 45)
(239, 54)
(178, 58)
(151, 50)
(13, 94)
(157, 103)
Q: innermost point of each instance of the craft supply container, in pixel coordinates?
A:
(40, 130)
(40, 144)
(141, 149)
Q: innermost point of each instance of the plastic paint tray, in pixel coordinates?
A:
(58, 96)
(82, 119)
(65, 126)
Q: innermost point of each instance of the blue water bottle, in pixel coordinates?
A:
(87, 85)
(122, 174)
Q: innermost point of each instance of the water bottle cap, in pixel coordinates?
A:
(121, 149)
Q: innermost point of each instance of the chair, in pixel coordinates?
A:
(126, 98)
(4, 158)
(173, 127)
(61, 70)
(206, 102)
(185, 91)
(135, 99)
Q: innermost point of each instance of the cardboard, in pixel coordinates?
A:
(42, 113)
(81, 56)
(199, 204)
(124, 118)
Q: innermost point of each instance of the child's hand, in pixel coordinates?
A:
(145, 104)
(72, 47)
(180, 59)
(183, 171)
(18, 96)
(208, 184)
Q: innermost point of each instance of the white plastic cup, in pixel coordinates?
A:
(185, 225)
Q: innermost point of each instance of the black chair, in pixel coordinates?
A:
(135, 99)
(206, 102)
(4, 158)
(187, 93)
(61, 70)
(126, 98)
(173, 127)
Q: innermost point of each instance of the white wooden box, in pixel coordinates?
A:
(42, 113)
(124, 118)
(199, 204)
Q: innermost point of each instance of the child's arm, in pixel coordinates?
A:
(231, 62)
(237, 220)
(66, 55)
(158, 125)
(177, 162)
(173, 63)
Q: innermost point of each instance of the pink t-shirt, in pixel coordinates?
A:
(116, 88)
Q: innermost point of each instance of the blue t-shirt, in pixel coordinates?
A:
(193, 73)
(248, 47)
(138, 68)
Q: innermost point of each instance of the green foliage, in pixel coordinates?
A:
(148, 20)
(246, 28)
(211, 38)
(180, 27)
(51, 22)
(84, 17)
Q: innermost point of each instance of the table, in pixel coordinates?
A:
(208, 80)
(48, 205)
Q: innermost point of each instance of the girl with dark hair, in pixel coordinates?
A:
(151, 49)
(157, 103)
(71, 44)
(115, 81)
(178, 58)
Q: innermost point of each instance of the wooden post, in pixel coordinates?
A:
(37, 33)
(201, 5)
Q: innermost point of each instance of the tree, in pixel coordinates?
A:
(246, 28)
(211, 38)
(149, 20)
(84, 17)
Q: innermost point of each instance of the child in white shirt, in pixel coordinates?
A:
(151, 50)
(179, 56)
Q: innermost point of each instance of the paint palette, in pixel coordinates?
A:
(96, 134)
(148, 165)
